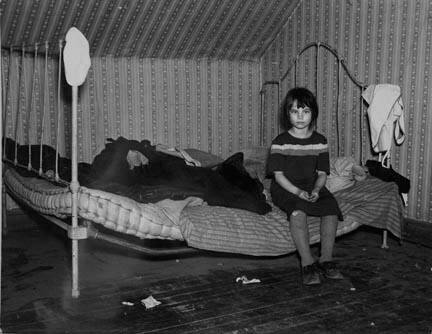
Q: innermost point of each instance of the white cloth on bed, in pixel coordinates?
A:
(178, 153)
(385, 114)
(136, 159)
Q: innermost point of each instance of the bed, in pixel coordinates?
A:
(80, 210)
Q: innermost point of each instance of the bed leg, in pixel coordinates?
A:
(4, 208)
(76, 233)
(75, 288)
(384, 240)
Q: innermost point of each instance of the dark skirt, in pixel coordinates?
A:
(326, 205)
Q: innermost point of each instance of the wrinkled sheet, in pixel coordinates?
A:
(370, 202)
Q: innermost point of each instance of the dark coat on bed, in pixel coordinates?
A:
(165, 176)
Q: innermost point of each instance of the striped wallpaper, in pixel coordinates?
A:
(214, 104)
(186, 29)
(208, 104)
(382, 41)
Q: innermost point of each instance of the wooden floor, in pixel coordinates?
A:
(385, 291)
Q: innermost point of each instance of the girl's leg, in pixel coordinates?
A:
(300, 235)
(328, 235)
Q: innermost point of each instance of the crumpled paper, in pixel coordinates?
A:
(245, 280)
(150, 302)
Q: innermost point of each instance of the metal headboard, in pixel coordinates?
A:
(342, 65)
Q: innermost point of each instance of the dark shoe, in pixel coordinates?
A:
(311, 274)
(329, 270)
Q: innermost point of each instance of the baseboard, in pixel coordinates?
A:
(419, 232)
(15, 211)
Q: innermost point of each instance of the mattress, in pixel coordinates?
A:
(371, 202)
(115, 212)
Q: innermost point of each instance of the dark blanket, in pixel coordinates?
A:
(376, 169)
(165, 176)
(48, 159)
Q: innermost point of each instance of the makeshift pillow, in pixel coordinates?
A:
(344, 172)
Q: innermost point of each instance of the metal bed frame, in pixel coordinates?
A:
(76, 231)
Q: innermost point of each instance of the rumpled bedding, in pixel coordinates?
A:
(165, 176)
(217, 228)
(371, 202)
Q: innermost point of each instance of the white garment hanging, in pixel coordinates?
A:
(385, 114)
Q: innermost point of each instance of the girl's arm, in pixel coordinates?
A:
(288, 186)
(319, 183)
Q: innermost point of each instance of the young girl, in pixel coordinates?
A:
(299, 161)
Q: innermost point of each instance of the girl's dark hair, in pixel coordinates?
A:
(305, 98)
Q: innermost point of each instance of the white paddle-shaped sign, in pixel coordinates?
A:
(76, 57)
(77, 63)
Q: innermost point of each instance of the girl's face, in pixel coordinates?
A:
(300, 117)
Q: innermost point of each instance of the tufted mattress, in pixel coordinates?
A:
(115, 212)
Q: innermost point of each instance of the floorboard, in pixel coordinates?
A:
(385, 290)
